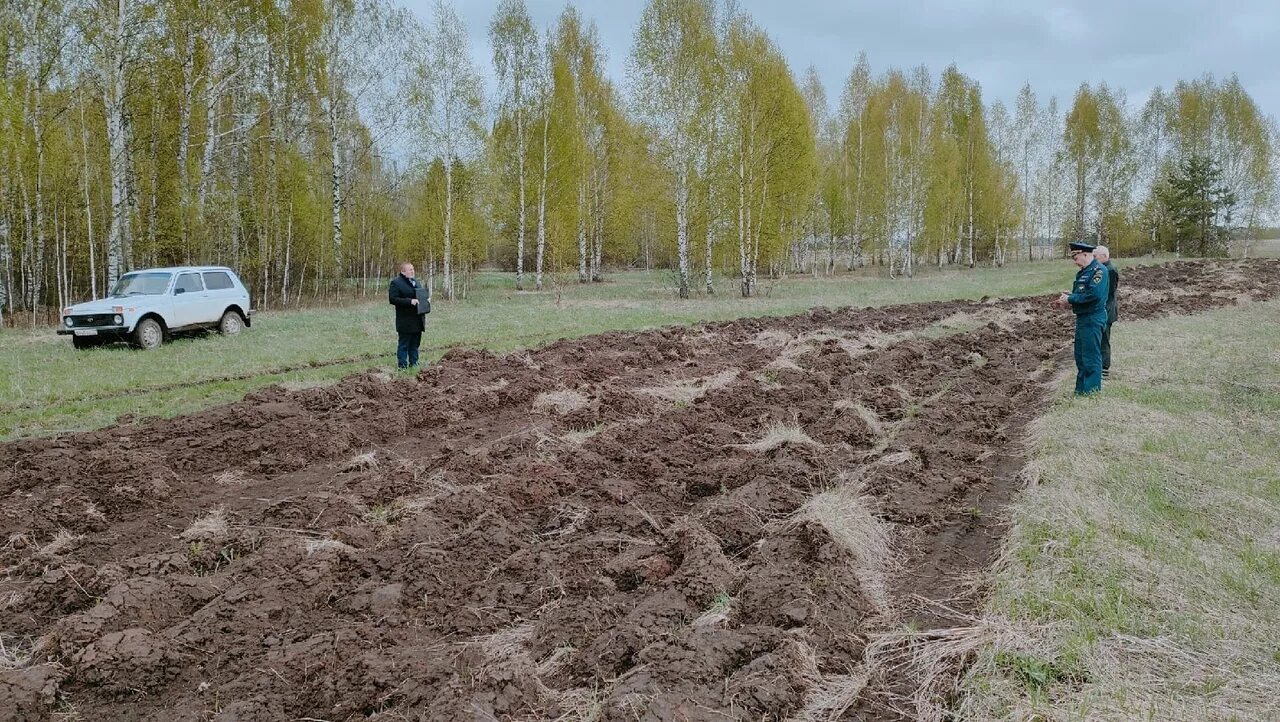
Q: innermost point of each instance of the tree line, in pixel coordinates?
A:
(312, 143)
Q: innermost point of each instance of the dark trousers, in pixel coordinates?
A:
(407, 350)
(1089, 353)
(1106, 344)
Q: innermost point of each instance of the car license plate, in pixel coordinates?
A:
(86, 332)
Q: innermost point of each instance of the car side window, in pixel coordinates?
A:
(218, 281)
(188, 283)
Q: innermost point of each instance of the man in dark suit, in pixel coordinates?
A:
(410, 299)
(1103, 254)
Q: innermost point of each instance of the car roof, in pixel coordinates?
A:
(178, 269)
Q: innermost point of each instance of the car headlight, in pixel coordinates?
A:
(119, 320)
(68, 321)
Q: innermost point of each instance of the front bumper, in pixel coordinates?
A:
(96, 331)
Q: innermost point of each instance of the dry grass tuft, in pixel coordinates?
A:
(567, 520)
(507, 644)
(897, 458)
(831, 697)
(717, 614)
(578, 437)
(314, 546)
(932, 659)
(583, 704)
(771, 339)
(785, 363)
(868, 416)
(13, 654)
(782, 435)
(554, 662)
(848, 516)
(230, 477)
(688, 390)
(363, 462)
(564, 401)
(303, 385)
(857, 346)
(211, 526)
(62, 542)
(92, 511)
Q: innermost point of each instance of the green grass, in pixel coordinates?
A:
(46, 387)
(1141, 579)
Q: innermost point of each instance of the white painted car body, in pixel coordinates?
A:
(174, 299)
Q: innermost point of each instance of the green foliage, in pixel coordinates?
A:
(1199, 207)
(302, 143)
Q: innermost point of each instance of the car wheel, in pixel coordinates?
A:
(231, 324)
(81, 343)
(148, 335)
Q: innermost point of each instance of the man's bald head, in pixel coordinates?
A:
(1102, 253)
(406, 269)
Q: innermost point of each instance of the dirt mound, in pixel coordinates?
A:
(660, 525)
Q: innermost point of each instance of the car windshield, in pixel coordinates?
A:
(141, 284)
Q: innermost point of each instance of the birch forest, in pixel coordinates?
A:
(312, 144)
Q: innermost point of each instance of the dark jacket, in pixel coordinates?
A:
(1089, 292)
(1113, 282)
(400, 294)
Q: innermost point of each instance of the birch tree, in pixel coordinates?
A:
(449, 107)
(670, 72)
(1028, 155)
(853, 107)
(518, 66)
(116, 31)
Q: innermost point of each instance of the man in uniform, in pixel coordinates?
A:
(1113, 282)
(407, 295)
(1088, 300)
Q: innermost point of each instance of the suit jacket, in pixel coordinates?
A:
(1113, 282)
(401, 294)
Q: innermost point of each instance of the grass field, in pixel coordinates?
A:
(46, 387)
(1141, 580)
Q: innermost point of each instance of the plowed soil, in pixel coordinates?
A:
(701, 523)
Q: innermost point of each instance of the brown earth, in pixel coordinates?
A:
(699, 523)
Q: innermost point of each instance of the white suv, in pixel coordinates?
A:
(145, 307)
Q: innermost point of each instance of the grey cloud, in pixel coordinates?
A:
(1133, 45)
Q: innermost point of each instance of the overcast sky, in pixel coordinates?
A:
(1133, 45)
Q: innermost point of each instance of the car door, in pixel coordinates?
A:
(189, 300)
(222, 293)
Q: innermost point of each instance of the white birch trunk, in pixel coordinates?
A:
(542, 204)
(710, 239)
(855, 238)
(597, 225)
(114, 108)
(745, 289)
(682, 226)
(520, 152)
(582, 232)
(335, 157)
(88, 203)
(38, 259)
(447, 284)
